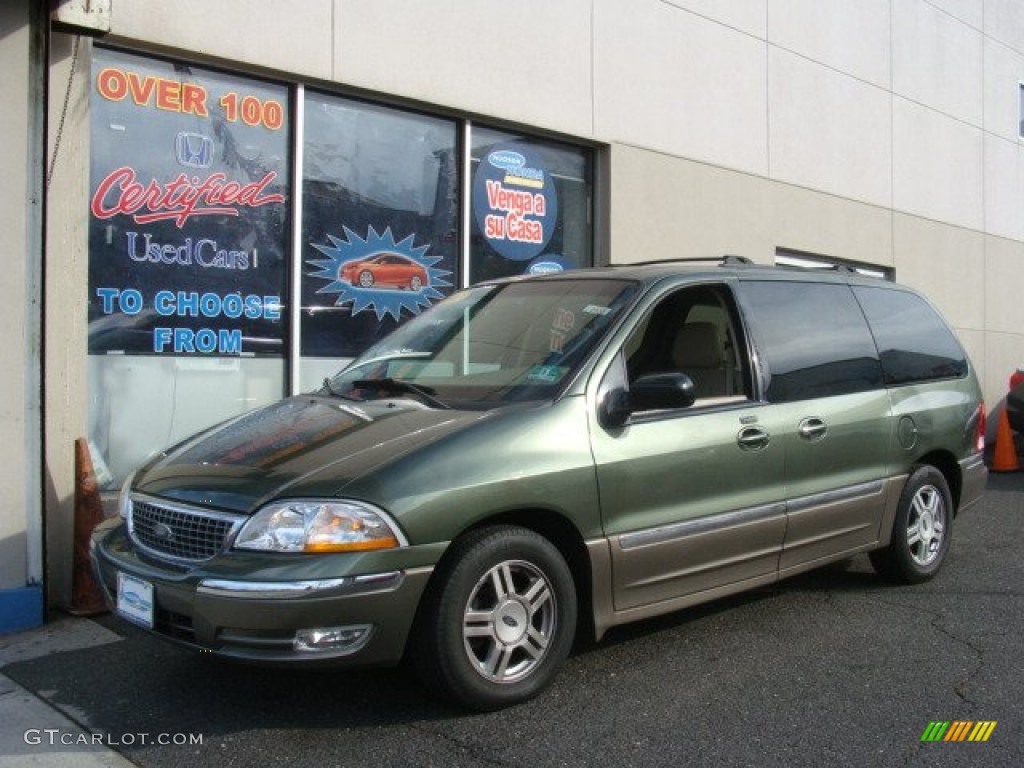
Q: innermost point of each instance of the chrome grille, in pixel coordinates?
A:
(179, 532)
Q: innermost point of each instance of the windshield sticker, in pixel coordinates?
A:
(593, 309)
(376, 273)
(549, 374)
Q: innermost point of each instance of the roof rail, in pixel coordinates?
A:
(728, 258)
(731, 258)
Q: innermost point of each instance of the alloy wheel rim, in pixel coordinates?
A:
(926, 526)
(509, 621)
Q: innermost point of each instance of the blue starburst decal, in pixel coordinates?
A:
(380, 274)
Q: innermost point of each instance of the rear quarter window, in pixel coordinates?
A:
(814, 339)
(914, 342)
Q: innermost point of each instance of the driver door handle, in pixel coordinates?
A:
(753, 439)
(812, 428)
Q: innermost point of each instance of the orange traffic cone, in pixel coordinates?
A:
(1004, 459)
(86, 597)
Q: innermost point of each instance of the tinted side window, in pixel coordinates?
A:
(915, 343)
(814, 340)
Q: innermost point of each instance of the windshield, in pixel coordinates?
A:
(489, 345)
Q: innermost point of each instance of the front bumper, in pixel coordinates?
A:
(250, 608)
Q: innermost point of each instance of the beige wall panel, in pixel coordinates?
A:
(937, 60)
(1004, 187)
(664, 208)
(850, 37)
(946, 263)
(1004, 322)
(1004, 71)
(290, 37)
(66, 291)
(1004, 266)
(974, 344)
(937, 166)
(970, 12)
(15, 308)
(1004, 21)
(529, 61)
(828, 131)
(804, 220)
(748, 16)
(1004, 353)
(668, 80)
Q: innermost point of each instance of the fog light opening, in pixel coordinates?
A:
(348, 639)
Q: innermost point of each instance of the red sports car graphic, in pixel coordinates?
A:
(385, 270)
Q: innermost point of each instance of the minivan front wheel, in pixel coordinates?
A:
(498, 624)
(921, 531)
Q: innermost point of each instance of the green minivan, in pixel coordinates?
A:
(536, 459)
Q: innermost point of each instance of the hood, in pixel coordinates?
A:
(304, 446)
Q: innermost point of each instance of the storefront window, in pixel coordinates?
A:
(187, 252)
(530, 206)
(195, 262)
(380, 214)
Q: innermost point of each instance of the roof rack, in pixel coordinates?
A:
(727, 259)
(731, 258)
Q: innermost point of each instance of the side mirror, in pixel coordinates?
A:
(653, 392)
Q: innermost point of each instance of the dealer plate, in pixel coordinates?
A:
(135, 599)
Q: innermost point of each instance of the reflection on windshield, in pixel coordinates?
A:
(491, 344)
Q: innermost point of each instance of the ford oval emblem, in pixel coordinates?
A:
(506, 160)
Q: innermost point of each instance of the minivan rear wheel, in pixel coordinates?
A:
(499, 622)
(921, 530)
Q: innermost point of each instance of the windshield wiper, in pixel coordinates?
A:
(399, 386)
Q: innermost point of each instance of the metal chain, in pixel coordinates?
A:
(63, 112)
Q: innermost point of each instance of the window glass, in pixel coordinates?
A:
(188, 224)
(380, 213)
(693, 331)
(491, 344)
(530, 204)
(190, 240)
(814, 339)
(914, 342)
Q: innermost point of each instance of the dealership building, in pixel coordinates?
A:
(212, 205)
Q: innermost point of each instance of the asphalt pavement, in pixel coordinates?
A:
(833, 668)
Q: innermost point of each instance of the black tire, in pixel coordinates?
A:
(366, 279)
(415, 283)
(921, 531)
(499, 620)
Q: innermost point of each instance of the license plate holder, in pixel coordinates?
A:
(135, 599)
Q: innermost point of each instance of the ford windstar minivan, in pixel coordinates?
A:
(537, 457)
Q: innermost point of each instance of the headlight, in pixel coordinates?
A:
(319, 526)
